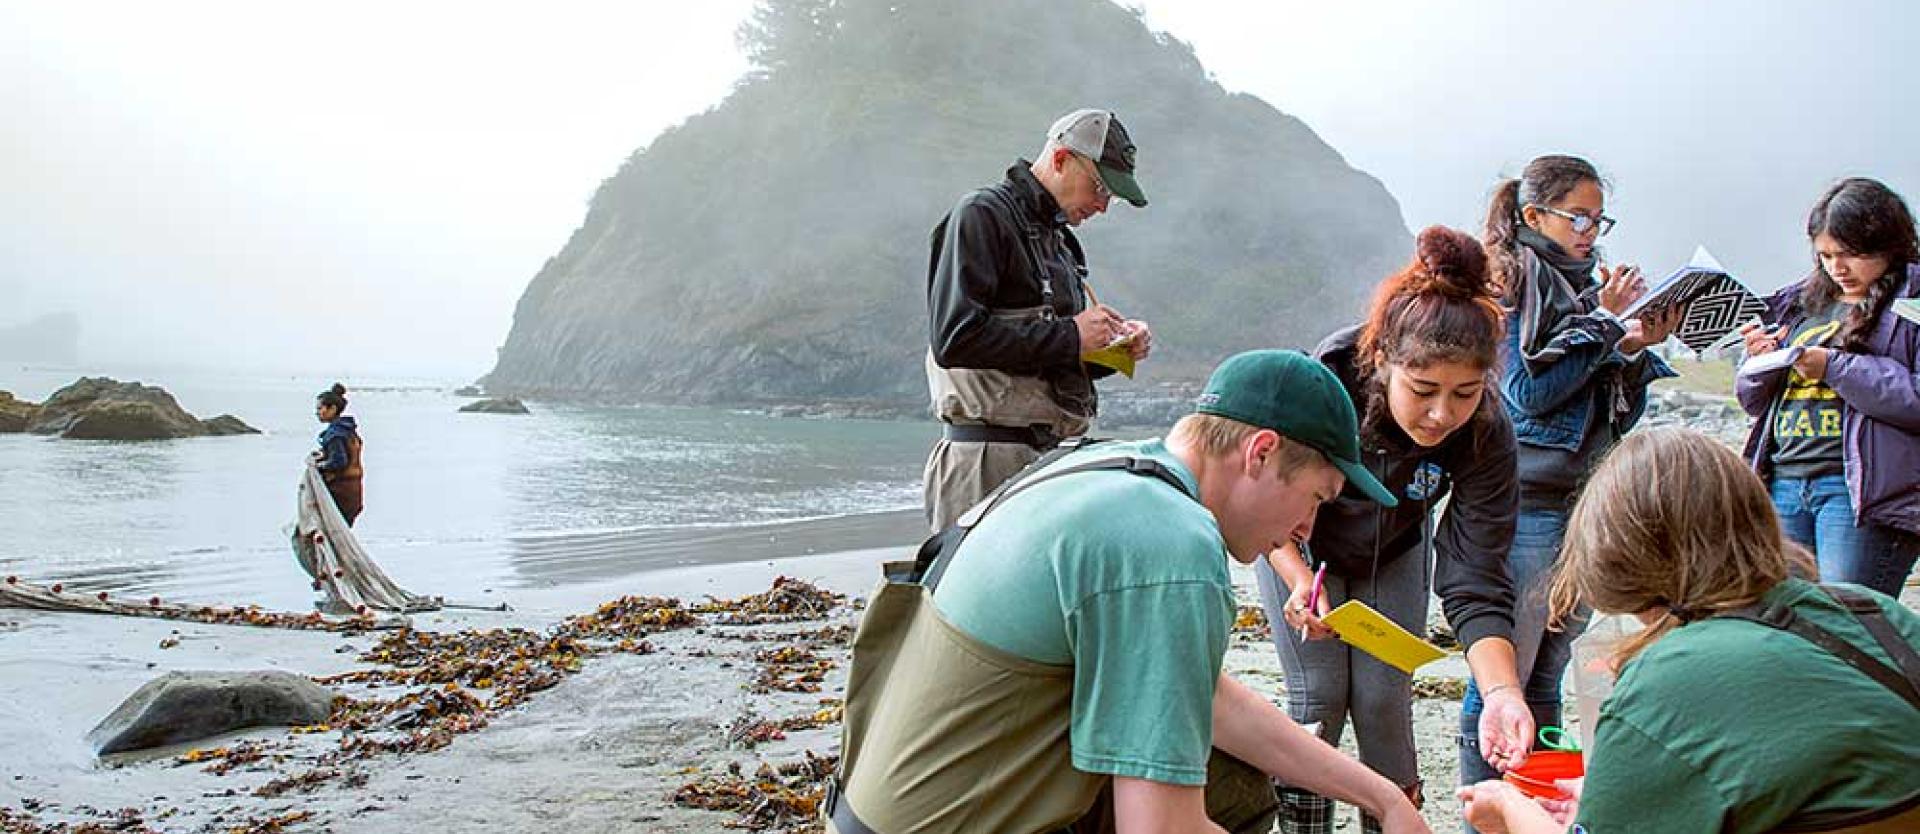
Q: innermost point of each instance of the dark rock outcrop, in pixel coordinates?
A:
(185, 706)
(15, 415)
(98, 408)
(800, 275)
(227, 425)
(503, 405)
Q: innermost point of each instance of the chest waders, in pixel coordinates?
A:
(1903, 679)
(945, 734)
(996, 423)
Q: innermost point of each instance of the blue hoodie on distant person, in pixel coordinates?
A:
(333, 443)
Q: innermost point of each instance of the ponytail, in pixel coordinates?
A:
(1503, 231)
(1545, 181)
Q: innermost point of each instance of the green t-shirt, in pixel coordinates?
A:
(1123, 578)
(1736, 727)
(1807, 417)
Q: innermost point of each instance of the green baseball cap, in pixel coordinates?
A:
(1290, 393)
(1099, 136)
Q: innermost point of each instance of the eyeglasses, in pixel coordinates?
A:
(1582, 223)
(1099, 185)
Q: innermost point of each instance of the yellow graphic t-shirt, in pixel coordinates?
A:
(1806, 420)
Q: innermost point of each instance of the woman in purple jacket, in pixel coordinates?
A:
(1837, 434)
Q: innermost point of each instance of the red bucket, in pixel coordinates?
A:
(1536, 777)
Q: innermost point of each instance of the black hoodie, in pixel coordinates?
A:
(1474, 468)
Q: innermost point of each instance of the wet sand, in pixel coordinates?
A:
(603, 751)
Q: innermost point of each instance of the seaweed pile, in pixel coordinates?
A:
(783, 798)
(1250, 624)
(427, 688)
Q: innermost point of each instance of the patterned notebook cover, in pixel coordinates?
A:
(1716, 302)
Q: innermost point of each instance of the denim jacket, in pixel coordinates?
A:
(1557, 407)
(1879, 405)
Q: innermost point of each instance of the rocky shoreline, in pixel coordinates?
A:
(100, 408)
(1157, 405)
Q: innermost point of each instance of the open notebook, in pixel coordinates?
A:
(1716, 302)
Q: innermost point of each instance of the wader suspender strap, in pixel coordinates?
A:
(937, 553)
(1904, 682)
(1030, 237)
(949, 545)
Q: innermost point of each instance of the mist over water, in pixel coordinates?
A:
(456, 503)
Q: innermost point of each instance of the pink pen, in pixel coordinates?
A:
(1313, 595)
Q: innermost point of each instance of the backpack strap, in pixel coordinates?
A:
(937, 553)
(1871, 615)
(1904, 682)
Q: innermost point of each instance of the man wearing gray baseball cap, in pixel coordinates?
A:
(1016, 336)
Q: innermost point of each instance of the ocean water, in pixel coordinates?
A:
(469, 506)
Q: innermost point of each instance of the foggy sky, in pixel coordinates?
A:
(365, 189)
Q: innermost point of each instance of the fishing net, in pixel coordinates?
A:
(326, 548)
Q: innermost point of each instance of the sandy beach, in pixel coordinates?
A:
(604, 750)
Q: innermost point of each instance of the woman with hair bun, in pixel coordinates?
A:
(1419, 368)
(1837, 436)
(338, 458)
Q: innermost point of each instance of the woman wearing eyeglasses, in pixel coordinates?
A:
(1574, 379)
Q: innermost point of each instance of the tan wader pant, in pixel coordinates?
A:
(958, 475)
(945, 734)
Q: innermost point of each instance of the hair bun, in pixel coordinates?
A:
(1454, 261)
(338, 390)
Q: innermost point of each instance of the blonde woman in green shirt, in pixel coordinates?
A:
(1755, 700)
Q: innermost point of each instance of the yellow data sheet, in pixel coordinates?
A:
(1118, 356)
(1370, 631)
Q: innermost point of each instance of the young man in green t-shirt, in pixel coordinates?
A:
(1082, 627)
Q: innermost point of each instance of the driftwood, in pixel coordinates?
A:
(327, 550)
(15, 593)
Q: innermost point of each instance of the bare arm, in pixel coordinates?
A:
(1255, 731)
(1506, 723)
(1142, 806)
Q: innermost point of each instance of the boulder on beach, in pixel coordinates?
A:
(98, 408)
(502, 405)
(180, 707)
(15, 415)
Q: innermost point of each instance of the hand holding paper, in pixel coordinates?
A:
(1117, 355)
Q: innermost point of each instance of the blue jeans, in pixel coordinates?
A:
(1818, 513)
(1540, 655)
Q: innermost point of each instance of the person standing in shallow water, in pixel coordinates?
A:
(338, 457)
(1574, 380)
(1853, 389)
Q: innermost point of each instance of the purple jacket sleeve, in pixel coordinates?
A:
(1757, 392)
(1878, 386)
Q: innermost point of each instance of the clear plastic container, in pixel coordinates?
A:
(1592, 678)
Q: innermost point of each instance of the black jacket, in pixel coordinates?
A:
(1474, 467)
(985, 255)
